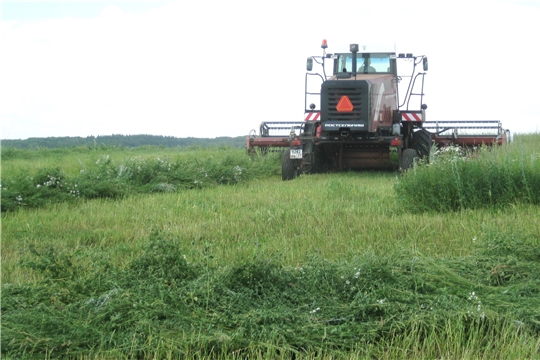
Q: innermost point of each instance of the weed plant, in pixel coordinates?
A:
(164, 305)
(492, 177)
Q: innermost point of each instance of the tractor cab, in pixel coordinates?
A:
(366, 63)
(372, 67)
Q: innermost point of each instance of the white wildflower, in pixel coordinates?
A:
(472, 296)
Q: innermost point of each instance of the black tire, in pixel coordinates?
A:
(422, 143)
(407, 159)
(289, 167)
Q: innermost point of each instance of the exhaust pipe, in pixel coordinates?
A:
(354, 49)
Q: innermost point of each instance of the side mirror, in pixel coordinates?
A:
(309, 64)
(425, 63)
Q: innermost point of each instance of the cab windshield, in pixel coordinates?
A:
(366, 63)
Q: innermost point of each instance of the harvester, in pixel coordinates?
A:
(363, 122)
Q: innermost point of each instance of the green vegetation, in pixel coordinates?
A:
(488, 177)
(99, 176)
(161, 303)
(129, 141)
(325, 266)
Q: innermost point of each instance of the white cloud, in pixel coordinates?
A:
(218, 68)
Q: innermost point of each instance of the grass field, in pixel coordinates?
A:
(326, 266)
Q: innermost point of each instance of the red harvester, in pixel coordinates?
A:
(362, 118)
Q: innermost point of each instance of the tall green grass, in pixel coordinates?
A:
(99, 175)
(488, 177)
(72, 160)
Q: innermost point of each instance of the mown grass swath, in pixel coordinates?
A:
(325, 266)
(319, 306)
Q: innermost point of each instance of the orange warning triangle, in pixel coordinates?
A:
(344, 104)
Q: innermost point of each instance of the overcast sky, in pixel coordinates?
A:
(218, 68)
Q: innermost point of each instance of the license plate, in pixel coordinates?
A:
(296, 153)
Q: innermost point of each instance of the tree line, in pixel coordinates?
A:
(122, 141)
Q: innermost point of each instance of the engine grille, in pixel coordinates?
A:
(357, 91)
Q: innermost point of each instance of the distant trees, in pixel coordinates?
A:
(122, 141)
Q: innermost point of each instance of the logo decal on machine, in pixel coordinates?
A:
(344, 104)
(378, 106)
(343, 125)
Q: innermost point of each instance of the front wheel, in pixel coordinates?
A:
(289, 167)
(407, 159)
(422, 143)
